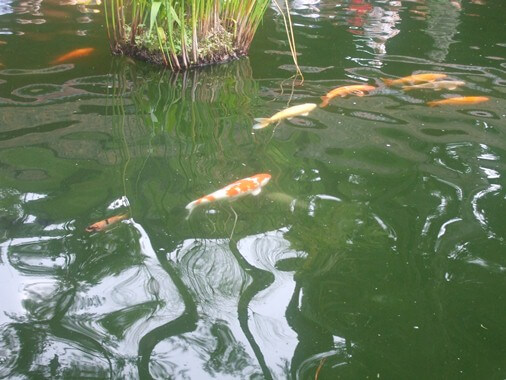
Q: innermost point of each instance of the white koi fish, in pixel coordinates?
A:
(301, 109)
(251, 185)
(436, 86)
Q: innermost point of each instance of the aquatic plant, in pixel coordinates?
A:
(183, 33)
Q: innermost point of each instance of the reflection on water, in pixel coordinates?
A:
(382, 225)
(442, 26)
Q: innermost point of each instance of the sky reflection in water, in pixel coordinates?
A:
(376, 248)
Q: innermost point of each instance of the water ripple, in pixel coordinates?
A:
(46, 70)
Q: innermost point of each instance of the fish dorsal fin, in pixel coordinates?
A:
(256, 191)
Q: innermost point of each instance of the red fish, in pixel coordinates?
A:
(77, 53)
(103, 224)
(251, 185)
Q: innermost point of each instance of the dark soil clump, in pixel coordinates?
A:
(157, 58)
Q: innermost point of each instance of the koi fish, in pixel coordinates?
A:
(458, 100)
(301, 109)
(103, 224)
(436, 86)
(77, 53)
(412, 79)
(358, 90)
(251, 185)
(81, 2)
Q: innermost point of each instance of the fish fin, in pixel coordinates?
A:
(434, 103)
(256, 191)
(387, 81)
(407, 88)
(358, 93)
(452, 88)
(304, 114)
(262, 122)
(325, 101)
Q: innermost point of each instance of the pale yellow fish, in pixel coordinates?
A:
(436, 86)
(81, 2)
(301, 109)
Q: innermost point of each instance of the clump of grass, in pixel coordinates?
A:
(183, 33)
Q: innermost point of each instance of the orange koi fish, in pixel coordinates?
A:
(103, 224)
(458, 100)
(301, 109)
(413, 79)
(251, 185)
(358, 90)
(77, 53)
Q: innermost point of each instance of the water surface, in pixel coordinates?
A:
(376, 250)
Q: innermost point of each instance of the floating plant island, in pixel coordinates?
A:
(183, 34)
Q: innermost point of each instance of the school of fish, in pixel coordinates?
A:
(253, 185)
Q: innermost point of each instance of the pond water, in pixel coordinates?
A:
(375, 251)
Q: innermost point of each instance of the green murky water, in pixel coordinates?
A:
(376, 251)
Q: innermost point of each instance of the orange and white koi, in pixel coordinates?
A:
(436, 86)
(458, 100)
(413, 79)
(103, 224)
(251, 185)
(301, 109)
(77, 53)
(358, 90)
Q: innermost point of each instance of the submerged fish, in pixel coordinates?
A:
(358, 90)
(436, 86)
(77, 53)
(458, 100)
(301, 109)
(251, 185)
(81, 2)
(412, 79)
(103, 224)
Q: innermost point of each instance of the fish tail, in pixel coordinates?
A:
(387, 81)
(325, 101)
(190, 207)
(261, 123)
